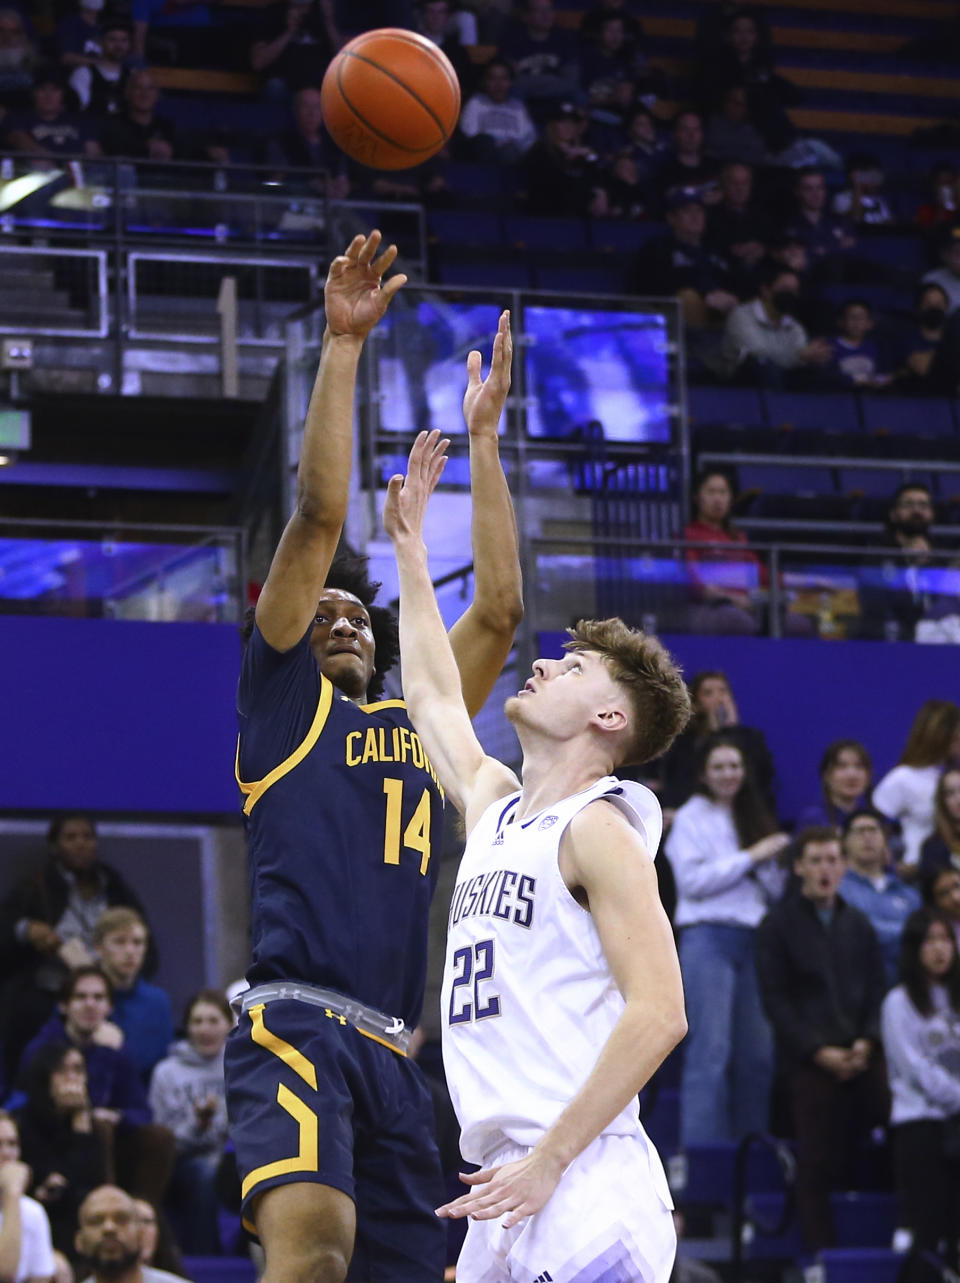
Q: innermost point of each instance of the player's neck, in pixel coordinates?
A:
(553, 771)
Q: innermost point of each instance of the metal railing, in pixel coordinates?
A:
(78, 277)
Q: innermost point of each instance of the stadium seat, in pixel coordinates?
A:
(773, 478)
(828, 411)
(661, 1120)
(579, 279)
(534, 233)
(462, 227)
(878, 483)
(709, 1174)
(611, 236)
(494, 272)
(220, 1269)
(864, 1219)
(861, 1265)
(909, 416)
(732, 407)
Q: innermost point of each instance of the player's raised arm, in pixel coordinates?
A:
(483, 635)
(431, 680)
(355, 298)
(603, 855)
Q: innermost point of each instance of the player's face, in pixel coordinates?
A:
(207, 1028)
(342, 641)
(9, 1142)
(723, 773)
(88, 1006)
(123, 952)
(820, 868)
(562, 696)
(937, 951)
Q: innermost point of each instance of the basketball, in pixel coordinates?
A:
(390, 98)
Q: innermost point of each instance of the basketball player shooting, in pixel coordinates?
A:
(331, 1121)
(562, 989)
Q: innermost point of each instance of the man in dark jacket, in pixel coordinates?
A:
(821, 981)
(47, 927)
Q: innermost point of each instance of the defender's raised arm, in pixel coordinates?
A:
(355, 298)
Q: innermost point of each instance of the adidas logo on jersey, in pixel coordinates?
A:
(547, 822)
(498, 840)
(546, 1276)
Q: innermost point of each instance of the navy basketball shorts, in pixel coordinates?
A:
(310, 1098)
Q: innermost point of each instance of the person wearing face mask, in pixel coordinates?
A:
(723, 847)
(930, 307)
(763, 341)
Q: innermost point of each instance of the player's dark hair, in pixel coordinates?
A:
(831, 756)
(55, 827)
(351, 574)
(751, 815)
(73, 978)
(654, 682)
(913, 977)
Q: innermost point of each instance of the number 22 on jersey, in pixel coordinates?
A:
(416, 835)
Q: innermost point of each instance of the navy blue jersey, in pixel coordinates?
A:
(344, 821)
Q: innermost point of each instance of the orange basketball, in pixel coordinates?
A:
(391, 98)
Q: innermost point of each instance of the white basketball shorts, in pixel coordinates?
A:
(608, 1221)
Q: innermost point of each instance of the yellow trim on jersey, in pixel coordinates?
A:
(307, 1159)
(297, 1061)
(255, 790)
(383, 1042)
(384, 703)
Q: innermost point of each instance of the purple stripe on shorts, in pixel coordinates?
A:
(615, 1266)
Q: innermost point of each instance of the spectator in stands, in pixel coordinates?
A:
(562, 172)
(862, 201)
(436, 21)
(181, 32)
(826, 237)
(139, 131)
(763, 342)
(723, 848)
(907, 792)
(930, 308)
(296, 45)
(943, 202)
(737, 228)
(47, 925)
(593, 20)
(856, 357)
(26, 1250)
(714, 709)
(685, 167)
(17, 62)
(947, 275)
(921, 1038)
(743, 58)
(941, 850)
(543, 56)
(495, 123)
(157, 1244)
(723, 580)
(845, 774)
(58, 1137)
(680, 264)
(870, 885)
(821, 978)
(611, 70)
(48, 129)
(942, 891)
(893, 593)
(187, 1096)
(643, 148)
(80, 35)
(307, 145)
(731, 135)
(141, 1010)
(101, 85)
(108, 1239)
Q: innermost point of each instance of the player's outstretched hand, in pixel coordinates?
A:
(355, 295)
(407, 496)
(513, 1191)
(484, 399)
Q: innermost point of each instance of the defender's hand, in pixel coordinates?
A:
(484, 399)
(514, 1191)
(355, 296)
(407, 497)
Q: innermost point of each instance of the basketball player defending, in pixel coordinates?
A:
(331, 1122)
(562, 988)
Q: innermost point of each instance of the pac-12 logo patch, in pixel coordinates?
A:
(548, 821)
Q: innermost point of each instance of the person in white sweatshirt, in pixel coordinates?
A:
(920, 1021)
(722, 848)
(907, 793)
(498, 125)
(26, 1250)
(187, 1096)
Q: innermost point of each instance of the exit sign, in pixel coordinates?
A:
(14, 429)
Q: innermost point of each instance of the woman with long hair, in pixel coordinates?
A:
(58, 1138)
(723, 572)
(921, 1039)
(907, 792)
(845, 774)
(723, 847)
(941, 850)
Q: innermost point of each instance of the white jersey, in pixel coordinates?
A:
(528, 999)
